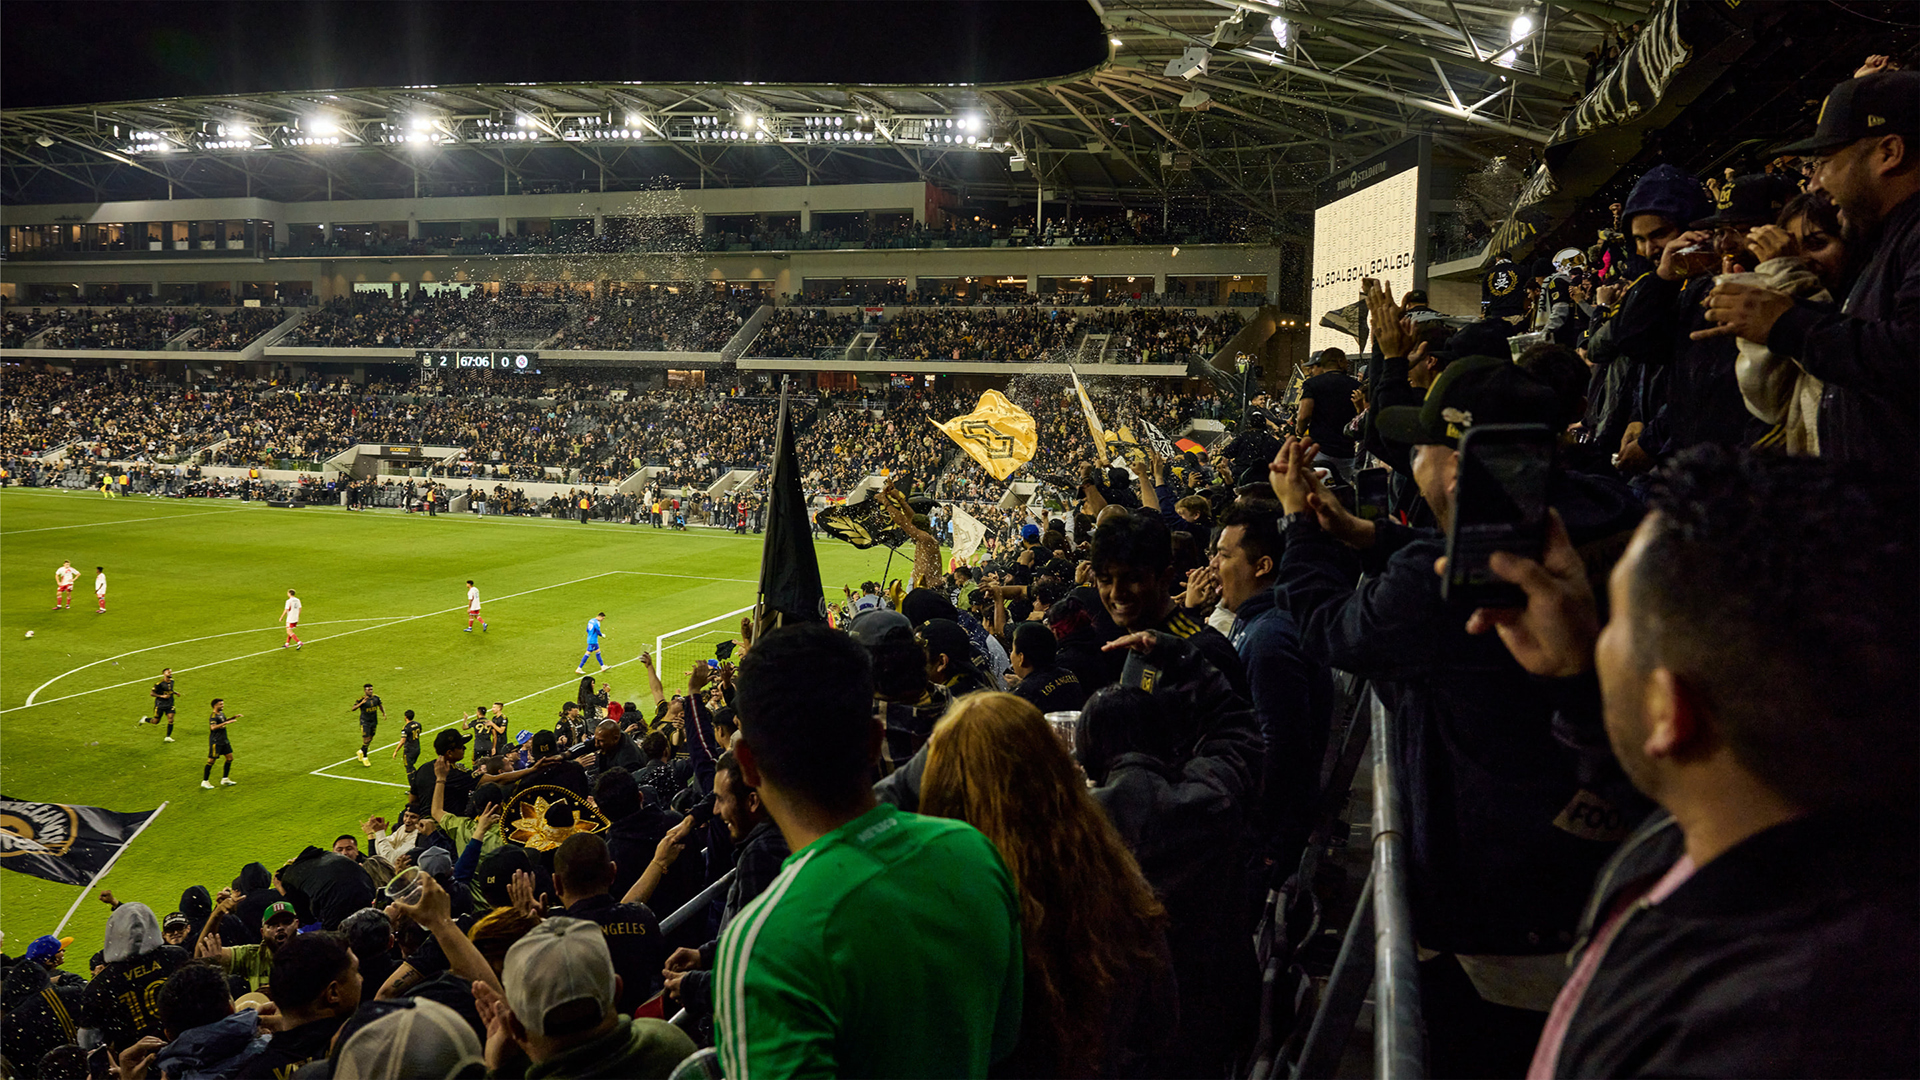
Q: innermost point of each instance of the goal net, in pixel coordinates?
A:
(676, 651)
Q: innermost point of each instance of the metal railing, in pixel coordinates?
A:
(1382, 920)
(693, 907)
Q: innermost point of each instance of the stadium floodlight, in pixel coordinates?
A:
(322, 126)
(971, 122)
(420, 122)
(523, 120)
(1282, 32)
(1522, 26)
(1115, 42)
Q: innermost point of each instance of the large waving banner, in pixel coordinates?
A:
(997, 433)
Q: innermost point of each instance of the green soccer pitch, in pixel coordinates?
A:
(197, 585)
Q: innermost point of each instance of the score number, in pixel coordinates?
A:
(519, 363)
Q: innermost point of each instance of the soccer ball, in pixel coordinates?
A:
(29, 633)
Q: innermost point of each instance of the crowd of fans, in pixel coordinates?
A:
(690, 319)
(1024, 334)
(138, 328)
(1017, 817)
(959, 231)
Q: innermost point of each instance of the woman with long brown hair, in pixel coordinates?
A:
(1099, 986)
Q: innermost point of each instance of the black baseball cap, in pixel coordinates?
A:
(1883, 103)
(1472, 390)
(1757, 199)
(543, 743)
(449, 739)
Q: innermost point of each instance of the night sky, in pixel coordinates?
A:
(71, 53)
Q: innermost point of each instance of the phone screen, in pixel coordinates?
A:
(1500, 504)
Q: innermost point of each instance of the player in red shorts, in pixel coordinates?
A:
(63, 580)
(473, 607)
(291, 614)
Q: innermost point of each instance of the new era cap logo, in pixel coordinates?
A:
(1875, 121)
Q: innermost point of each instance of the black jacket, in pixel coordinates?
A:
(1484, 776)
(1792, 954)
(1866, 354)
(1702, 396)
(1186, 826)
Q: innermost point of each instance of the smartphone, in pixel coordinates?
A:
(1499, 504)
(99, 1063)
(1370, 492)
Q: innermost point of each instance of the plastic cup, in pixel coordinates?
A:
(1065, 725)
(407, 885)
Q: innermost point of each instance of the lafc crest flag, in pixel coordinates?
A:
(863, 524)
(58, 842)
(997, 433)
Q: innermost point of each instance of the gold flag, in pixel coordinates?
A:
(997, 433)
(1086, 409)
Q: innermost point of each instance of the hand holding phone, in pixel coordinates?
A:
(1499, 504)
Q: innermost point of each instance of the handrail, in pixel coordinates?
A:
(1400, 1034)
(687, 910)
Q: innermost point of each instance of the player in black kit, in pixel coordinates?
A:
(371, 713)
(217, 744)
(162, 702)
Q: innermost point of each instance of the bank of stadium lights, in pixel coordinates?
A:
(316, 131)
(501, 131)
(415, 130)
(589, 128)
(149, 142)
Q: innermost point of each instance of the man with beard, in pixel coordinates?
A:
(1868, 148)
(1764, 918)
(253, 963)
(761, 849)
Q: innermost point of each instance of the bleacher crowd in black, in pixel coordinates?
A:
(1017, 818)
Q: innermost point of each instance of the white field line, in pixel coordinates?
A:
(31, 698)
(124, 521)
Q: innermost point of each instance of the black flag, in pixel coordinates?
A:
(790, 588)
(864, 524)
(68, 844)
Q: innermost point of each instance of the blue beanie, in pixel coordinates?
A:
(1670, 193)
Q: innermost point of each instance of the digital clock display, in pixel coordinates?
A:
(508, 360)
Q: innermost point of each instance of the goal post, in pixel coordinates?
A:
(676, 651)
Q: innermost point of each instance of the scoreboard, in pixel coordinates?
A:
(518, 362)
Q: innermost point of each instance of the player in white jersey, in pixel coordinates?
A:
(290, 614)
(63, 579)
(100, 588)
(473, 607)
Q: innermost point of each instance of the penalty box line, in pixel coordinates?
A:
(322, 770)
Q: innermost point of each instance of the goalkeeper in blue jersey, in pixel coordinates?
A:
(594, 634)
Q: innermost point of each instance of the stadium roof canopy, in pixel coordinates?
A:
(1201, 102)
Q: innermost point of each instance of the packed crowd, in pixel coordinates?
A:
(1022, 334)
(140, 328)
(691, 320)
